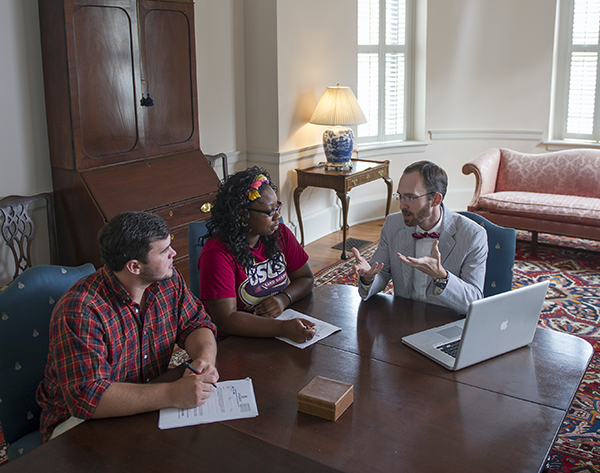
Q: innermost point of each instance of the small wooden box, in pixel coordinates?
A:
(326, 398)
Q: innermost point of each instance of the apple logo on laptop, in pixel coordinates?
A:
(504, 325)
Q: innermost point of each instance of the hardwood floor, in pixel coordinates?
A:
(320, 252)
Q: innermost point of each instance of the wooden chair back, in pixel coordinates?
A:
(18, 230)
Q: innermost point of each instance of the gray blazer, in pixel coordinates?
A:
(463, 247)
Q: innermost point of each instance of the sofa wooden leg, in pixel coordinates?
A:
(534, 243)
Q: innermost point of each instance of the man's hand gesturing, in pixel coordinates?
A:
(365, 271)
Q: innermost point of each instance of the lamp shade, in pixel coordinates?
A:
(338, 106)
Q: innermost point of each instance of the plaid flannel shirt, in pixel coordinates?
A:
(98, 336)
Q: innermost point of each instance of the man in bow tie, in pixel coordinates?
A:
(431, 253)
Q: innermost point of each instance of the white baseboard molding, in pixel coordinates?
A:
(530, 135)
(329, 220)
(558, 145)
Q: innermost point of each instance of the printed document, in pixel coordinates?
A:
(230, 400)
(323, 329)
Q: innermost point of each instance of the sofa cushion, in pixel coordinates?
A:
(570, 172)
(561, 208)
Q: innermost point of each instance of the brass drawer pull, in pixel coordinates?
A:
(170, 213)
(172, 237)
(354, 182)
(381, 172)
(206, 207)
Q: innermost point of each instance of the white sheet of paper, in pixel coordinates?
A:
(323, 329)
(230, 400)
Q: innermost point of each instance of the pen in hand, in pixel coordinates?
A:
(310, 328)
(194, 370)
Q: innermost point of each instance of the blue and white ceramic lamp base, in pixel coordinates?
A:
(338, 144)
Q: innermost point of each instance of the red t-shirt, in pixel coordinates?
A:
(221, 276)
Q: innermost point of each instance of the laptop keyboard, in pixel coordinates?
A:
(450, 348)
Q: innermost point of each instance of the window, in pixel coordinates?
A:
(384, 63)
(577, 115)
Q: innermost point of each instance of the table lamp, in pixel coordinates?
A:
(338, 108)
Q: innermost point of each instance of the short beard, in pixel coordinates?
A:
(151, 277)
(423, 214)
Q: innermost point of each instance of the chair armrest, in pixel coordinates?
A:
(223, 157)
(485, 168)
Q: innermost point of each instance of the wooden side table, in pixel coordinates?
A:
(363, 171)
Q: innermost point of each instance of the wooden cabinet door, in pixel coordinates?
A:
(101, 58)
(104, 71)
(169, 75)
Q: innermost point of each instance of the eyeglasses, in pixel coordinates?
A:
(408, 198)
(271, 212)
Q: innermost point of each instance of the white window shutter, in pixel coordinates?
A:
(382, 63)
(581, 121)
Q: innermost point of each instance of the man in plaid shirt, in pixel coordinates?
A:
(114, 331)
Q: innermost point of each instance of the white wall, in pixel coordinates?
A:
(489, 70)
(489, 64)
(263, 65)
(260, 54)
(220, 59)
(311, 56)
(24, 154)
(315, 49)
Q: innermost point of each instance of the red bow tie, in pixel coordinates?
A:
(419, 236)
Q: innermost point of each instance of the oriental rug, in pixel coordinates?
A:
(572, 305)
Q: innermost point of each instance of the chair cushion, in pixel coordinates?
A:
(25, 309)
(24, 444)
(561, 208)
(501, 255)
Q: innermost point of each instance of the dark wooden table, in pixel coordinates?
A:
(342, 182)
(409, 414)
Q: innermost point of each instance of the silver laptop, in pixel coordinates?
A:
(494, 325)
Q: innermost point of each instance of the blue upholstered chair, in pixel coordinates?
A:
(196, 230)
(25, 309)
(501, 255)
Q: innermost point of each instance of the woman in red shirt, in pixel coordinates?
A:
(252, 267)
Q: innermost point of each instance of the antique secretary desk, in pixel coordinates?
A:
(120, 85)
